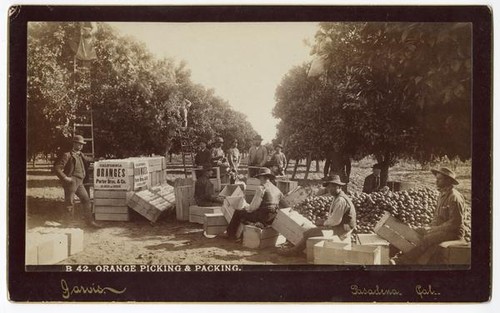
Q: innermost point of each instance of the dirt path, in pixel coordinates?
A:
(169, 241)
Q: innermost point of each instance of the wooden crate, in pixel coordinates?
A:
(114, 175)
(259, 238)
(75, 236)
(149, 204)
(232, 190)
(398, 234)
(298, 195)
(197, 213)
(50, 248)
(214, 223)
(455, 252)
(314, 240)
(287, 186)
(184, 198)
(249, 194)
(231, 204)
(336, 253)
(110, 194)
(291, 224)
(375, 240)
(165, 191)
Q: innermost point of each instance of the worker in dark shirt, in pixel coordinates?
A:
(204, 190)
(372, 182)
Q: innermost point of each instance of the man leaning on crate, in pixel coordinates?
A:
(447, 223)
(341, 217)
(264, 207)
(72, 168)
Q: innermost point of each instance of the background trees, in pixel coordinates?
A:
(392, 90)
(135, 97)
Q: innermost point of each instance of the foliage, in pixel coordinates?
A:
(136, 98)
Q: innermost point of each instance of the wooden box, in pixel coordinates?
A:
(111, 205)
(197, 213)
(259, 238)
(50, 248)
(329, 252)
(114, 175)
(231, 204)
(214, 223)
(149, 204)
(287, 186)
(184, 198)
(375, 240)
(455, 252)
(314, 240)
(249, 194)
(75, 236)
(165, 191)
(398, 234)
(232, 190)
(291, 224)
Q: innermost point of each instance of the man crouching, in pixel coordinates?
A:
(263, 208)
(341, 217)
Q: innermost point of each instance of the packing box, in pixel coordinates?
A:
(184, 197)
(48, 248)
(232, 190)
(398, 234)
(214, 223)
(291, 224)
(287, 186)
(197, 213)
(455, 252)
(375, 240)
(231, 204)
(329, 252)
(74, 235)
(326, 237)
(259, 238)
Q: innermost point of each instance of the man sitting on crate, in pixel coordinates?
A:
(341, 217)
(263, 208)
(72, 168)
(447, 223)
(204, 190)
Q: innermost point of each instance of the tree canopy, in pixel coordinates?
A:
(392, 90)
(136, 98)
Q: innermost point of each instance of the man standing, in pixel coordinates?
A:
(204, 156)
(71, 169)
(263, 209)
(372, 182)
(234, 158)
(278, 161)
(341, 217)
(204, 190)
(257, 156)
(447, 223)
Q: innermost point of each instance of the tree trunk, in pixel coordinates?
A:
(317, 166)
(295, 168)
(170, 161)
(308, 165)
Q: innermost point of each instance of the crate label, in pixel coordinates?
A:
(112, 175)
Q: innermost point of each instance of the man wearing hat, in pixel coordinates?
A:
(447, 223)
(219, 158)
(341, 217)
(234, 158)
(278, 161)
(257, 156)
(204, 155)
(263, 208)
(71, 168)
(372, 182)
(204, 190)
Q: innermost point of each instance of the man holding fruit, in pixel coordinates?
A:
(447, 223)
(341, 217)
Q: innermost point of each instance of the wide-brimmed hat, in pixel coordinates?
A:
(219, 140)
(265, 172)
(79, 139)
(258, 137)
(446, 172)
(335, 179)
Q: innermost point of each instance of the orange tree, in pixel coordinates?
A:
(392, 90)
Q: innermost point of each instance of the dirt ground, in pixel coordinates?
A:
(169, 241)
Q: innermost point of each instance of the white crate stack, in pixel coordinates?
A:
(51, 245)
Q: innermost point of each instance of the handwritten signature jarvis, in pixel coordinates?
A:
(68, 291)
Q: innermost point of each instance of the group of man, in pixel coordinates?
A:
(447, 224)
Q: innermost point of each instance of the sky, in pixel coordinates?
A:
(243, 62)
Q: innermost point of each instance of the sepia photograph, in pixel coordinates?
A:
(186, 145)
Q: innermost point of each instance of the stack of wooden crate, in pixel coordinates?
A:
(50, 245)
(291, 224)
(114, 180)
(214, 223)
(197, 213)
(157, 169)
